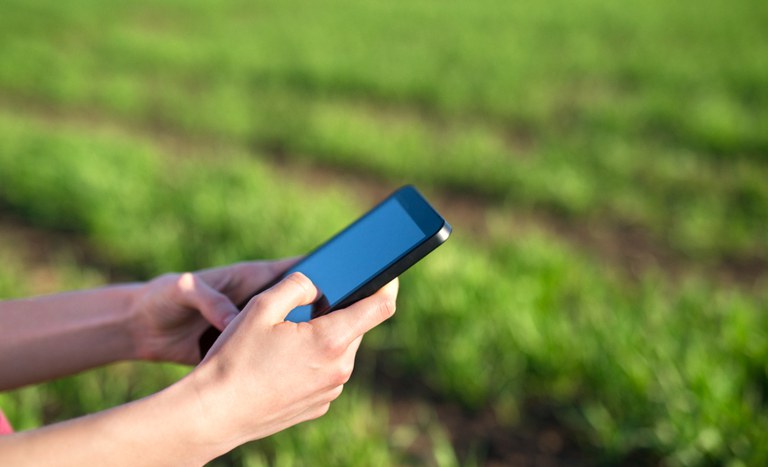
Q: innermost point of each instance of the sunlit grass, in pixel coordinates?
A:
(647, 366)
(649, 116)
(635, 115)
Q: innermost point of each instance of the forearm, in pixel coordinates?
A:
(263, 375)
(162, 429)
(48, 337)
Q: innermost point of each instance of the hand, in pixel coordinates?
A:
(173, 310)
(265, 374)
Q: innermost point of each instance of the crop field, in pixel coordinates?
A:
(604, 297)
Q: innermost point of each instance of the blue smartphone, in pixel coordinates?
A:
(362, 258)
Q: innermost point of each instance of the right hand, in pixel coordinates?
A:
(265, 374)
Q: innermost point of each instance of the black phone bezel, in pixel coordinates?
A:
(436, 230)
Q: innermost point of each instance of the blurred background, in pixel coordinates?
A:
(605, 165)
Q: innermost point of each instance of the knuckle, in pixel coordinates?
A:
(321, 410)
(185, 282)
(331, 345)
(335, 392)
(386, 308)
(258, 302)
(340, 375)
(300, 280)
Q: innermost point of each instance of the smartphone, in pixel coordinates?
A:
(365, 256)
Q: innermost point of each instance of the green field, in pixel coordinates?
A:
(605, 165)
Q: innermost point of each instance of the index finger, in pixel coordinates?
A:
(257, 275)
(362, 316)
(241, 281)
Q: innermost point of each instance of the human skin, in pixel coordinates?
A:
(263, 375)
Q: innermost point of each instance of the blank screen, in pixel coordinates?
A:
(358, 254)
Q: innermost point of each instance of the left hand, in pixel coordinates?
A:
(173, 310)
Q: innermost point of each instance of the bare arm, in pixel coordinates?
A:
(48, 337)
(161, 429)
(262, 376)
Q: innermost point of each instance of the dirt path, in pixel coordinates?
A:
(631, 251)
(628, 250)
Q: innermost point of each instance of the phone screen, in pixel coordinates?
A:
(374, 249)
(358, 254)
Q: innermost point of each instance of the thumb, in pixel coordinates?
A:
(215, 307)
(274, 304)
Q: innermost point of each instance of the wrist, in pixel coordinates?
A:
(63, 334)
(133, 324)
(206, 400)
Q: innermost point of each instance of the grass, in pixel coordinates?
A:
(359, 419)
(646, 115)
(527, 317)
(649, 114)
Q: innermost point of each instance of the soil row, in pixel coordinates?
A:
(629, 250)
